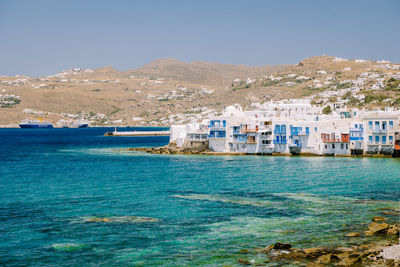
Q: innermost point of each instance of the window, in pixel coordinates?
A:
(333, 145)
(341, 145)
(390, 125)
(377, 139)
(390, 138)
(370, 138)
(384, 139)
(316, 129)
(307, 130)
(347, 146)
(326, 146)
(370, 125)
(377, 125)
(384, 123)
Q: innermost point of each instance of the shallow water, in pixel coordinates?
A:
(72, 197)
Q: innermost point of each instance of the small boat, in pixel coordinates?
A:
(35, 124)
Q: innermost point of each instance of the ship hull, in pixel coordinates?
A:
(84, 125)
(31, 126)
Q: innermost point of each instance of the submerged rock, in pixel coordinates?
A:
(244, 251)
(69, 246)
(118, 219)
(353, 234)
(244, 262)
(97, 219)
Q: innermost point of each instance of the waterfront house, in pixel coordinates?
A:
(379, 133)
(296, 127)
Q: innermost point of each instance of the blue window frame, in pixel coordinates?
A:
(370, 138)
(307, 130)
(390, 138)
(377, 138)
(384, 139)
(390, 125)
(384, 123)
(370, 125)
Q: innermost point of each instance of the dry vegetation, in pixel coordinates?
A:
(157, 91)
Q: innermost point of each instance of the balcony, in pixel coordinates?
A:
(251, 130)
(373, 143)
(379, 131)
(197, 136)
(356, 130)
(239, 141)
(295, 145)
(216, 128)
(280, 132)
(387, 143)
(300, 133)
(356, 138)
(335, 140)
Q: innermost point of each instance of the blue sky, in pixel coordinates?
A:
(43, 37)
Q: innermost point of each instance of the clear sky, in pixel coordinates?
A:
(43, 37)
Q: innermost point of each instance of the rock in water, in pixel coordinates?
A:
(378, 219)
(244, 251)
(393, 229)
(279, 246)
(244, 262)
(324, 259)
(352, 234)
(376, 228)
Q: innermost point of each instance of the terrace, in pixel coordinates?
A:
(331, 138)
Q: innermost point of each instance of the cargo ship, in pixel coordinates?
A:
(35, 124)
(75, 124)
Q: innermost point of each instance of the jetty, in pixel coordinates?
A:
(138, 133)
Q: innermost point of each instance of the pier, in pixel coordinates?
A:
(138, 133)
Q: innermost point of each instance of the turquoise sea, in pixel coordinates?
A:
(71, 197)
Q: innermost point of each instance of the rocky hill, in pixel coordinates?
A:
(200, 72)
(170, 91)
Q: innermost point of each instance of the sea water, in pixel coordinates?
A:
(73, 197)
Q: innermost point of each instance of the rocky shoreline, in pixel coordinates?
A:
(172, 148)
(201, 148)
(385, 252)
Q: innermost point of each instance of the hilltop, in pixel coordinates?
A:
(200, 72)
(171, 91)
